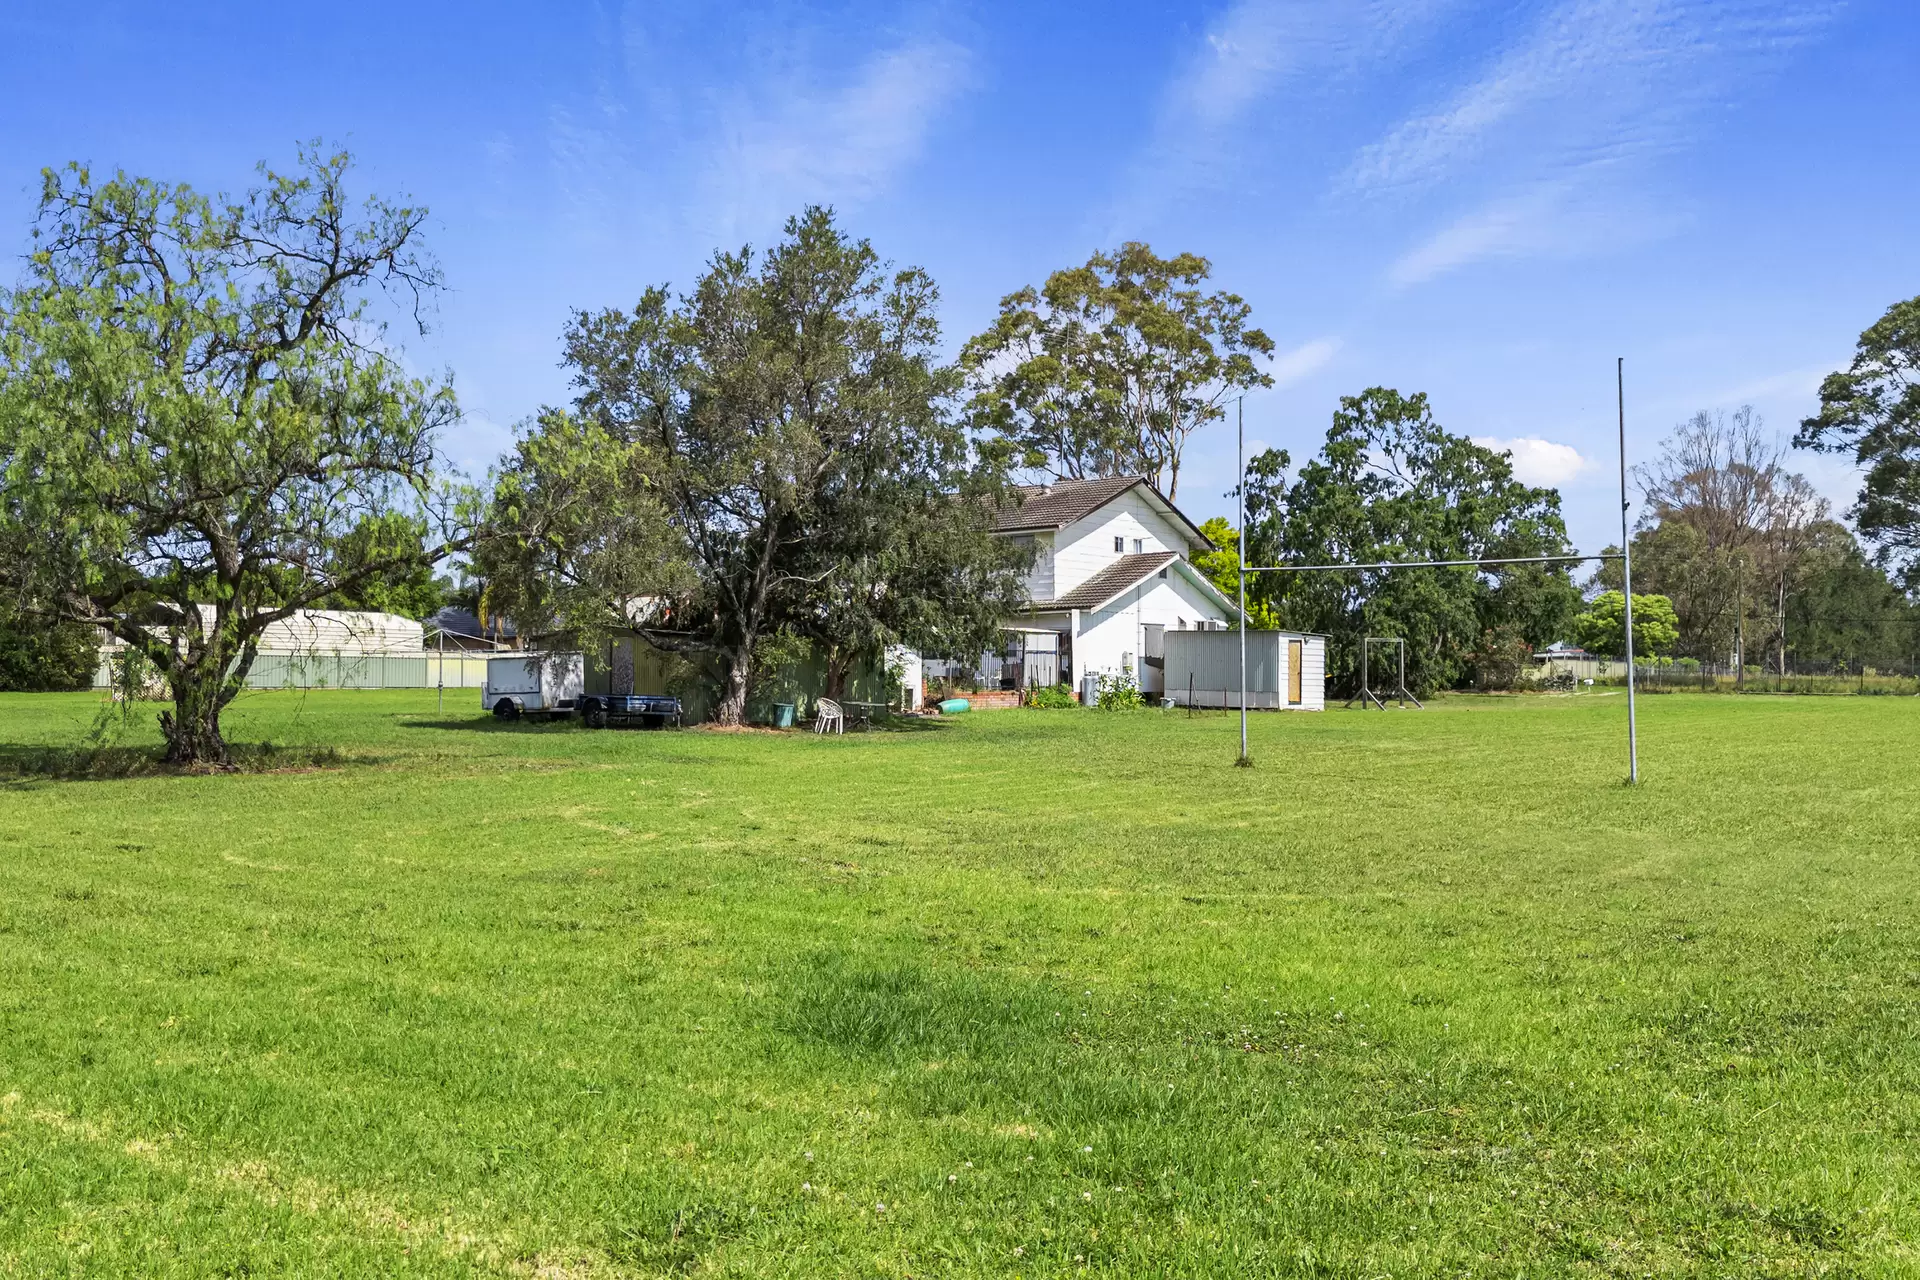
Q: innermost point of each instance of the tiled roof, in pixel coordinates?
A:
(1057, 505)
(1111, 581)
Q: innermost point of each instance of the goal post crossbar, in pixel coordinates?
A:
(1428, 564)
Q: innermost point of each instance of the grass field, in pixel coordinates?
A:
(1024, 993)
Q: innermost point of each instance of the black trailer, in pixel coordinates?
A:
(648, 710)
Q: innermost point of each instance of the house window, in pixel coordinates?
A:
(1119, 544)
(1139, 545)
(1163, 575)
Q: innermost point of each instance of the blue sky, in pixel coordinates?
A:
(1484, 201)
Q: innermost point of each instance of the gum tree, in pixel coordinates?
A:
(197, 410)
(1108, 368)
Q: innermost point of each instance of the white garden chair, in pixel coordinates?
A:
(828, 718)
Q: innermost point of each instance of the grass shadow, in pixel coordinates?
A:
(23, 764)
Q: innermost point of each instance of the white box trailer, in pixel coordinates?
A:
(1286, 670)
(546, 684)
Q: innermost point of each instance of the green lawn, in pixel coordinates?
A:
(1423, 993)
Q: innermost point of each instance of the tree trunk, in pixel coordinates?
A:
(733, 698)
(839, 661)
(192, 728)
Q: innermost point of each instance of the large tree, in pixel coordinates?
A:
(1109, 367)
(197, 410)
(774, 456)
(1391, 484)
(1872, 410)
(1724, 532)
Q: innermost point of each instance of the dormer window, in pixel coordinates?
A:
(1119, 545)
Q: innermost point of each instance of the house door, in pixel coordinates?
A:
(1296, 653)
(1153, 658)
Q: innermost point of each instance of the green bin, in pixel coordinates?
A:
(783, 715)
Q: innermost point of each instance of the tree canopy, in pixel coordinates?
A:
(198, 408)
(772, 455)
(1108, 368)
(1391, 484)
(1602, 627)
(1871, 409)
(1745, 550)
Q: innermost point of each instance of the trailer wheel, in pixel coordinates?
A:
(505, 710)
(596, 716)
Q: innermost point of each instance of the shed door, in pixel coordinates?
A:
(1296, 651)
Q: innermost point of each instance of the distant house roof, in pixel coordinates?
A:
(1057, 505)
(1561, 649)
(455, 621)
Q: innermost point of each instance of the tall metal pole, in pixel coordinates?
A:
(1241, 488)
(1626, 571)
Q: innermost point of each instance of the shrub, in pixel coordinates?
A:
(1117, 693)
(38, 655)
(1051, 697)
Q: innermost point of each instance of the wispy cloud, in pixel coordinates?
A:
(1555, 130)
(1303, 361)
(840, 144)
(1257, 52)
(1539, 462)
(1561, 218)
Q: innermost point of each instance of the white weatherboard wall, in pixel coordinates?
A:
(1211, 659)
(1085, 547)
(1112, 638)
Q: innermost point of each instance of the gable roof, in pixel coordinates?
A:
(1114, 579)
(1057, 505)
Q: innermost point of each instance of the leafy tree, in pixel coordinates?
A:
(1110, 367)
(1725, 530)
(1602, 629)
(1391, 484)
(1502, 654)
(40, 656)
(1843, 610)
(407, 586)
(197, 410)
(1222, 568)
(1872, 410)
(580, 538)
(766, 458)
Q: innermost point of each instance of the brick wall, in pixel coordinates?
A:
(996, 700)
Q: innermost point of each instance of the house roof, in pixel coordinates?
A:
(1112, 580)
(1057, 505)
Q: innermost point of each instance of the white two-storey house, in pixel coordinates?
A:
(1112, 574)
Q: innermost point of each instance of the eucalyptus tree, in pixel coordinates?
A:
(198, 407)
(1871, 409)
(1108, 368)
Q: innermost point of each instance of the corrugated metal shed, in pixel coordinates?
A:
(1205, 665)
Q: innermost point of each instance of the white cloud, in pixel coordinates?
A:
(1303, 361)
(838, 145)
(1539, 462)
(1254, 53)
(1552, 139)
(1593, 81)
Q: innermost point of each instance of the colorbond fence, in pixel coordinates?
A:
(355, 671)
